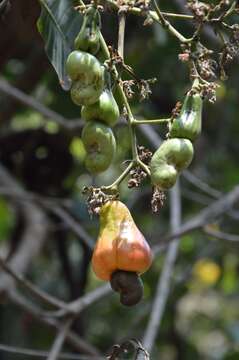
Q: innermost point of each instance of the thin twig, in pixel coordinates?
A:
(204, 217)
(49, 205)
(77, 306)
(34, 235)
(166, 24)
(164, 282)
(29, 101)
(16, 350)
(196, 197)
(220, 235)
(86, 300)
(153, 121)
(207, 189)
(121, 33)
(71, 337)
(59, 340)
(34, 290)
(73, 225)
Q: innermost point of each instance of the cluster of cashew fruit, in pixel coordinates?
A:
(91, 89)
(121, 253)
(176, 153)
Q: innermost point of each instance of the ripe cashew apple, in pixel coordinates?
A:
(120, 245)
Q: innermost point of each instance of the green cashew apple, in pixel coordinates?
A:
(100, 145)
(172, 156)
(189, 122)
(88, 38)
(104, 110)
(87, 77)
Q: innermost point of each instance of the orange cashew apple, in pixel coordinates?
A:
(120, 245)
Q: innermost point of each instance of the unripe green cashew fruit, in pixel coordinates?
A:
(87, 77)
(189, 122)
(172, 156)
(104, 110)
(88, 38)
(100, 145)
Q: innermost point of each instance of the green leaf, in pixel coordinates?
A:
(59, 24)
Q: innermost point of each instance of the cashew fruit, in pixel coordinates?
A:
(104, 110)
(100, 145)
(87, 77)
(172, 156)
(120, 244)
(189, 122)
(88, 38)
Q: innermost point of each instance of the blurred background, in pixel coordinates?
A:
(201, 318)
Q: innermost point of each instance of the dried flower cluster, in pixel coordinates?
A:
(199, 9)
(127, 347)
(140, 86)
(96, 198)
(137, 175)
(158, 199)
